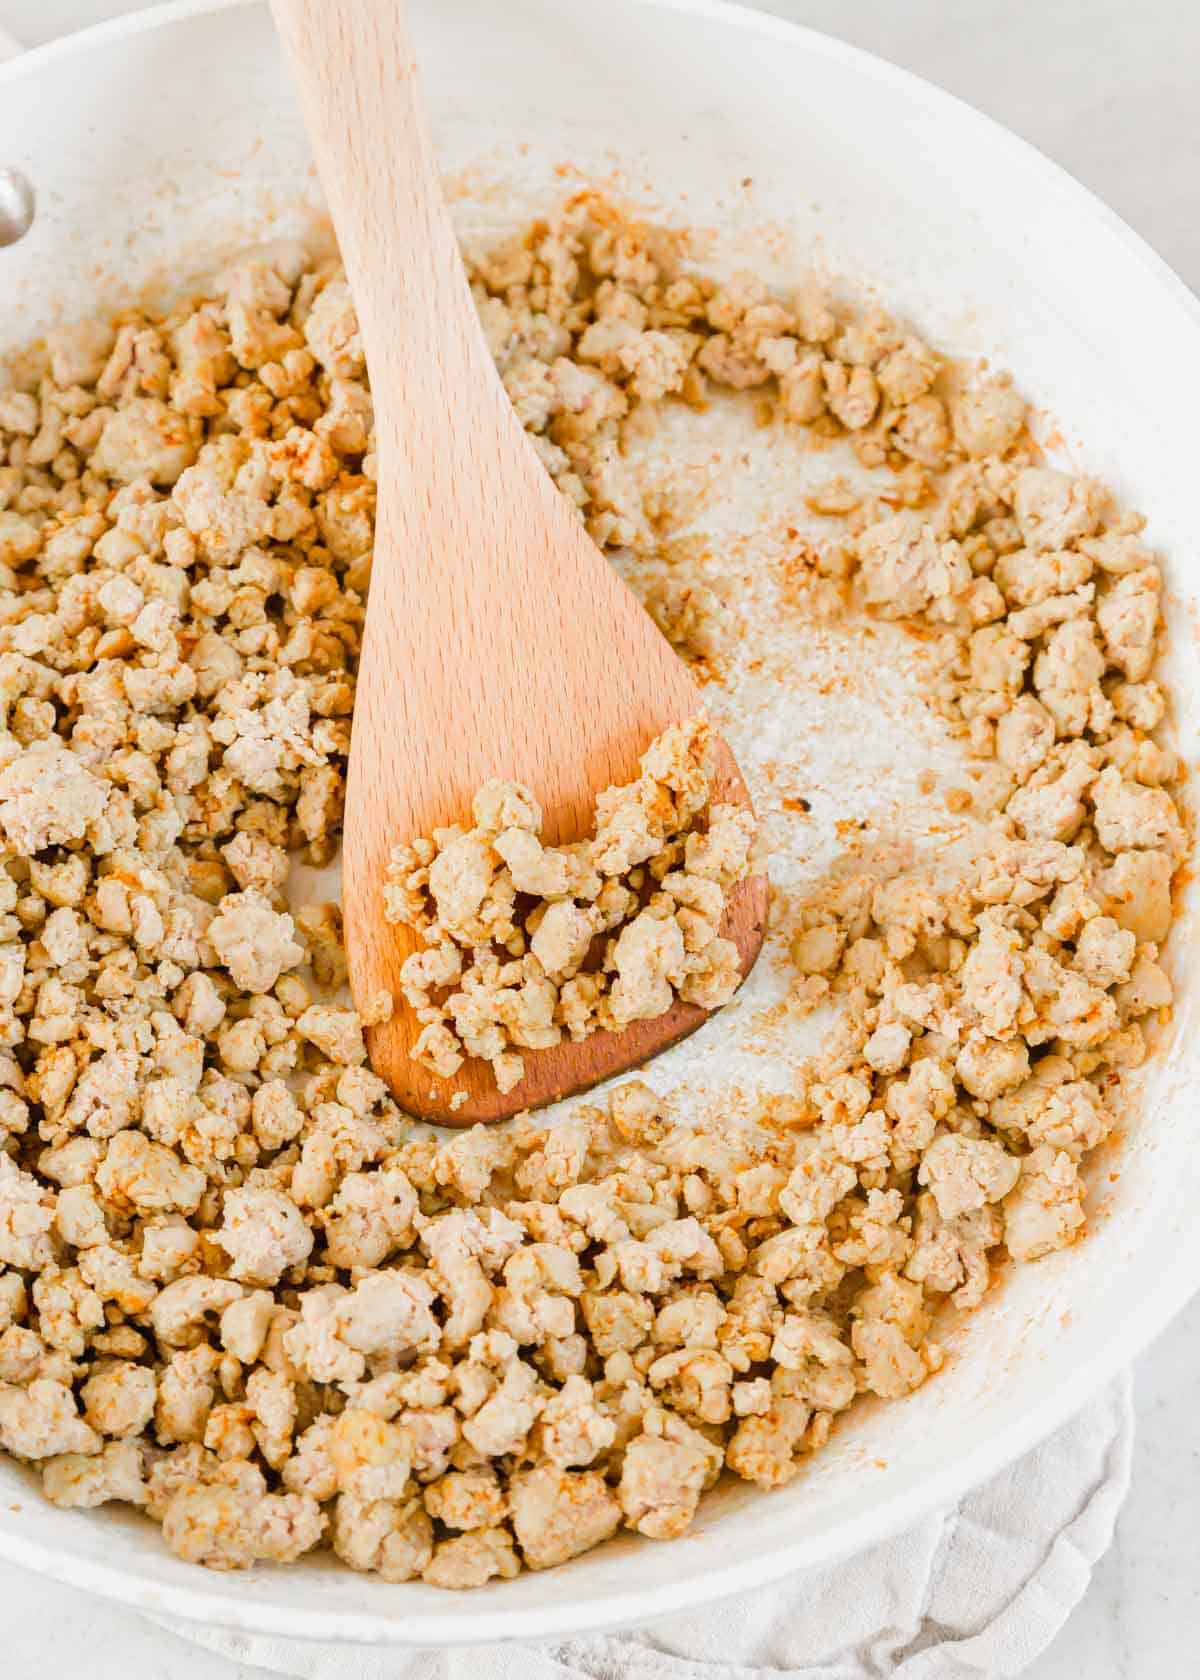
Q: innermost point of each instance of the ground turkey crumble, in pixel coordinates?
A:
(238, 1289)
(509, 925)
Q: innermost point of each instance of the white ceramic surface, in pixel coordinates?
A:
(145, 142)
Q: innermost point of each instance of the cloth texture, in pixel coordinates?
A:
(974, 1592)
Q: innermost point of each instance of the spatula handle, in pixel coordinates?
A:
(359, 86)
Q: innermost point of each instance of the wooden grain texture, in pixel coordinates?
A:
(498, 640)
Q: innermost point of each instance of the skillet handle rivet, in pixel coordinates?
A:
(17, 205)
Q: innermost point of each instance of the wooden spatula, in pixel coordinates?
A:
(499, 642)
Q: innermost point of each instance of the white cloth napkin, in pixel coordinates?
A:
(974, 1592)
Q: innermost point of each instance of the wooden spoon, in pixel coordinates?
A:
(498, 641)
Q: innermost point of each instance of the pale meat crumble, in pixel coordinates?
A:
(238, 1289)
(510, 974)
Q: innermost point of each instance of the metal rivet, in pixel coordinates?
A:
(16, 206)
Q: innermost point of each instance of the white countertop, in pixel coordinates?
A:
(1109, 89)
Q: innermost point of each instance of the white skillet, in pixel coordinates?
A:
(161, 141)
